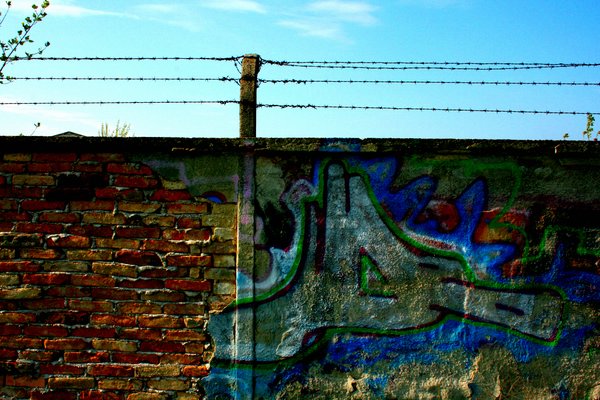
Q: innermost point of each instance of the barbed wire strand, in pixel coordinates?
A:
(47, 78)
(308, 81)
(418, 65)
(424, 82)
(233, 58)
(300, 106)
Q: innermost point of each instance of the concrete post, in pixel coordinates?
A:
(248, 85)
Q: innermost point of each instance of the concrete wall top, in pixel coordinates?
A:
(211, 145)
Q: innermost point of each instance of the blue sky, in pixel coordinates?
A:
(550, 31)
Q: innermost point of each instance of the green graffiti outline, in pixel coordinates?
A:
(319, 199)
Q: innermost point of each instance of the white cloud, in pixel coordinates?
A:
(236, 5)
(359, 12)
(316, 28)
(330, 19)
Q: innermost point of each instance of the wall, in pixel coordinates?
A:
(365, 269)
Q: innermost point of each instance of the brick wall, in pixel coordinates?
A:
(107, 278)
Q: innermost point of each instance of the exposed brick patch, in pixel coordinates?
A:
(105, 278)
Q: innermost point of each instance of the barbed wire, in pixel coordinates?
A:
(434, 109)
(233, 58)
(423, 65)
(424, 82)
(304, 81)
(115, 102)
(48, 78)
(300, 106)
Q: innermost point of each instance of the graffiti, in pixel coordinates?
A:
(369, 265)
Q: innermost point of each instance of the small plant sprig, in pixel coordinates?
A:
(119, 130)
(9, 48)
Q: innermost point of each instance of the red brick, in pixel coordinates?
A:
(97, 395)
(139, 308)
(137, 232)
(14, 216)
(188, 285)
(53, 395)
(67, 292)
(46, 279)
(16, 318)
(92, 280)
(114, 269)
(21, 343)
(110, 370)
(39, 205)
(60, 369)
(38, 228)
(174, 358)
(94, 332)
(7, 354)
(12, 168)
(49, 254)
(89, 255)
(19, 266)
(70, 383)
(119, 384)
(184, 308)
(159, 220)
(159, 321)
(165, 246)
(141, 334)
(72, 241)
(87, 167)
(146, 208)
(90, 230)
(45, 331)
(22, 192)
(98, 205)
(114, 345)
(191, 208)
(102, 157)
(163, 295)
(114, 294)
(65, 344)
(138, 257)
(65, 318)
(44, 304)
(164, 273)
(184, 335)
(60, 217)
(49, 167)
(203, 235)
(162, 347)
(33, 180)
(120, 194)
(2, 180)
(10, 205)
(189, 223)
(135, 358)
(54, 157)
(90, 305)
(118, 243)
(113, 320)
(142, 284)
(195, 370)
(170, 195)
(103, 218)
(189, 261)
(129, 169)
(24, 381)
(66, 266)
(86, 357)
(37, 355)
(140, 182)
(10, 330)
